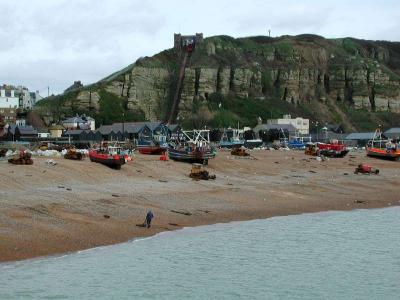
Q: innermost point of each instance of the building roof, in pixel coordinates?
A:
(393, 130)
(329, 134)
(74, 132)
(393, 133)
(128, 127)
(23, 130)
(360, 136)
(173, 127)
(56, 127)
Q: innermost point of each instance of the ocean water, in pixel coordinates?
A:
(331, 255)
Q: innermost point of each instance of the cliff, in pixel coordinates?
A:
(348, 81)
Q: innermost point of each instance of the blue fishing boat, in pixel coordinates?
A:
(232, 138)
(298, 142)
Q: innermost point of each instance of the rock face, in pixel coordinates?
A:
(301, 69)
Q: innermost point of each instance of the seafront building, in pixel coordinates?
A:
(302, 125)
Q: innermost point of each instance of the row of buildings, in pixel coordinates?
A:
(13, 98)
(82, 129)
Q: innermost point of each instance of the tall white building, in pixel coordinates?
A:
(302, 125)
(8, 99)
(27, 99)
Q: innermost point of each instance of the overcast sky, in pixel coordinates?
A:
(54, 42)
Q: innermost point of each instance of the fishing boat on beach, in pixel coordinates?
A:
(111, 156)
(151, 146)
(380, 147)
(332, 149)
(154, 140)
(195, 148)
(298, 142)
(232, 138)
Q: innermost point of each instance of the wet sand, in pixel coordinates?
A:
(48, 210)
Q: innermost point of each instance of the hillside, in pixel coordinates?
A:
(226, 80)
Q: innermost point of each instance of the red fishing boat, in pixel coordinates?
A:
(110, 156)
(332, 149)
(382, 148)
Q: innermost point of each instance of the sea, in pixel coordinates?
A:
(328, 255)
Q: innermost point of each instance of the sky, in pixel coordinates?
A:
(52, 43)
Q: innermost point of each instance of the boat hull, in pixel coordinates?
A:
(190, 157)
(150, 149)
(114, 162)
(383, 153)
(231, 145)
(333, 153)
(332, 150)
(250, 144)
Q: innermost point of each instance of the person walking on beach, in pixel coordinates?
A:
(149, 217)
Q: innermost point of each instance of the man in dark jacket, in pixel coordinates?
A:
(149, 217)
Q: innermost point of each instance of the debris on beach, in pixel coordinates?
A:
(366, 169)
(50, 162)
(23, 158)
(239, 152)
(173, 224)
(199, 173)
(360, 201)
(182, 212)
(73, 154)
(3, 152)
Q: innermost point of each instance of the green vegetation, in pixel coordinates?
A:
(112, 109)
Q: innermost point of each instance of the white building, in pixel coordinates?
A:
(18, 97)
(302, 125)
(27, 99)
(8, 99)
(78, 122)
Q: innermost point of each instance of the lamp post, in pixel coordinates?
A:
(316, 125)
(123, 126)
(326, 133)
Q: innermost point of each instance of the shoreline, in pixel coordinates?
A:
(67, 202)
(145, 237)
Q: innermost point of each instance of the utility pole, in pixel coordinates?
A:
(269, 32)
(48, 91)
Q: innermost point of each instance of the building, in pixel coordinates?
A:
(302, 125)
(360, 138)
(56, 131)
(9, 115)
(393, 133)
(8, 99)
(83, 136)
(20, 133)
(27, 99)
(182, 41)
(175, 132)
(79, 122)
(76, 86)
(263, 129)
(135, 131)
